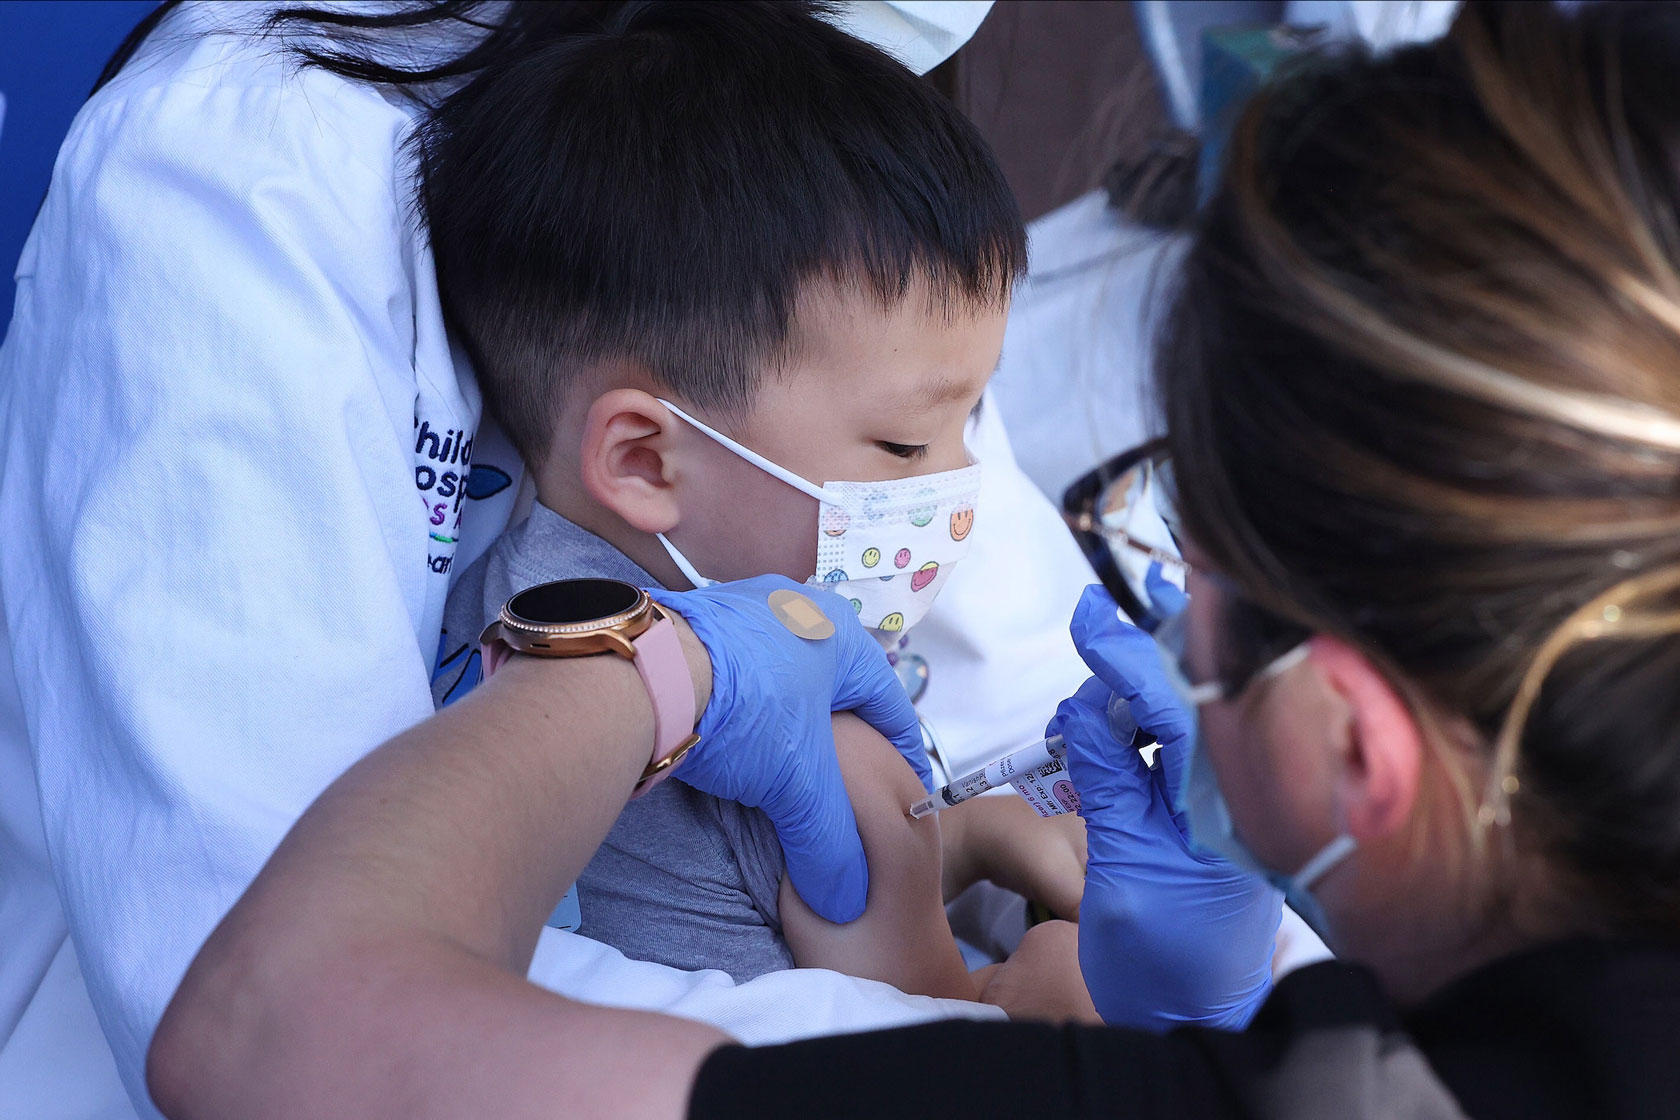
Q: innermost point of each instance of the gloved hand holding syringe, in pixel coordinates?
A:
(1038, 771)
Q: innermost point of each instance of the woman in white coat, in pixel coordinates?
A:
(239, 460)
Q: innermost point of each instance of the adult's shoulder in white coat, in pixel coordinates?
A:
(219, 589)
(216, 581)
(919, 33)
(1073, 384)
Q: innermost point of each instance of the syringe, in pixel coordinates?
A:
(1037, 771)
(1011, 767)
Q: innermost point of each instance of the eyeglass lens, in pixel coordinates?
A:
(1138, 520)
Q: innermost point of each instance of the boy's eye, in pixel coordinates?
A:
(903, 450)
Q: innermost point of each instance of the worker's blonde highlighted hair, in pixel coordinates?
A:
(1423, 389)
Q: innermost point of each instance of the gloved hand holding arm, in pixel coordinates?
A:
(1168, 935)
(766, 738)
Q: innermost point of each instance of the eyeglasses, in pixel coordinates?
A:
(1125, 520)
(1124, 514)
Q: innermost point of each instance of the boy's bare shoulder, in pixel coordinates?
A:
(867, 757)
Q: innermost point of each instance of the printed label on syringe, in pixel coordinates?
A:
(1037, 771)
(964, 788)
(1014, 768)
(1048, 789)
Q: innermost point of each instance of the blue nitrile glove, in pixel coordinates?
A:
(1168, 935)
(766, 739)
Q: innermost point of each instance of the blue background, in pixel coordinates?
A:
(50, 53)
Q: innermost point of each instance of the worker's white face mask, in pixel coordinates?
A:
(887, 546)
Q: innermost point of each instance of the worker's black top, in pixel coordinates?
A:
(1576, 1029)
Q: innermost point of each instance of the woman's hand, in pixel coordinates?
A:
(1170, 935)
(766, 738)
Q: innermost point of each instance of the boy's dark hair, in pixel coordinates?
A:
(661, 187)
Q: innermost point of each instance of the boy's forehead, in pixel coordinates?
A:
(919, 352)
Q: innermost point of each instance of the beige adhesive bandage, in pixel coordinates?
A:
(800, 615)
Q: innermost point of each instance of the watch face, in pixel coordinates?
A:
(570, 601)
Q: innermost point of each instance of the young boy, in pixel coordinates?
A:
(733, 283)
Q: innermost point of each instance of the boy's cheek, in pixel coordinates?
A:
(752, 527)
(776, 550)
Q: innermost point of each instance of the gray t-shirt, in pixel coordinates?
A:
(683, 878)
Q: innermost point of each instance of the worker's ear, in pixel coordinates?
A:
(1379, 743)
(631, 458)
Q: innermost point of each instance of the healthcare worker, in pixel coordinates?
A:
(1422, 393)
(234, 441)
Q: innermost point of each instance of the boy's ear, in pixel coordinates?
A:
(625, 461)
(1382, 747)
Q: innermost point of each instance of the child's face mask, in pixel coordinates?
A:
(886, 546)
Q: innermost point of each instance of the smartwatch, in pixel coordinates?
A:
(584, 617)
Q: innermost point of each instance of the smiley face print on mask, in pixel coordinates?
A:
(923, 514)
(862, 525)
(962, 522)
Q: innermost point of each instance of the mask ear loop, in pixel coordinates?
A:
(1321, 865)
(688, 570)
(1343, 845)
(775, 470)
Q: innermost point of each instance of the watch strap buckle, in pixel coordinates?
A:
(655, 771)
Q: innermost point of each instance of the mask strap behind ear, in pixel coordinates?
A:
(775, 470)
(688, 570)
(1332, 854)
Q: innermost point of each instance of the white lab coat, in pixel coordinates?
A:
(1073, 383)
(227, 541)
(996, 641)
(1380, 24)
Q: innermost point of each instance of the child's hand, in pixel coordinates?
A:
(1041, 978)
(1002, 839)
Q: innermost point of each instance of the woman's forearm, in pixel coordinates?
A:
(376, 966)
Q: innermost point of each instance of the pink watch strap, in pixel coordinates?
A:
(664, 670)
(495, 655)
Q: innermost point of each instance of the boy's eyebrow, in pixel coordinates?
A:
(933, 394)
(944, 391)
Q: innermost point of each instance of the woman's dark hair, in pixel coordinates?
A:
(660, 182)
(368, 46)
(1157, 188)
(1422, 384)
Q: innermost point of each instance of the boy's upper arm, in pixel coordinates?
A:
(904, 854)
(903, 937)
(880, 782)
